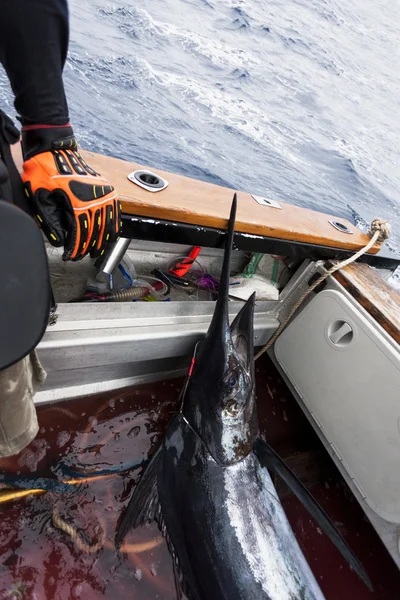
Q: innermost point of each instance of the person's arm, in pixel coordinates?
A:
(74, 206)
(33, 48)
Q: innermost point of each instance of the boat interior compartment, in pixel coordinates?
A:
(97, 346)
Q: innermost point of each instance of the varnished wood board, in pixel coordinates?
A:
(187, 200)
(191, 201)
(374, 294)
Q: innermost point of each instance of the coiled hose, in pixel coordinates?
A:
(126, 295)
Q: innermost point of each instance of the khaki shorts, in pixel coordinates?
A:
(18, 420)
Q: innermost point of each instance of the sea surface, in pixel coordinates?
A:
(294, 99)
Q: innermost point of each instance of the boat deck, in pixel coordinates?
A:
(100, 431)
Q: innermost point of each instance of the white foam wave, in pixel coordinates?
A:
(238, 113)
(220, 53)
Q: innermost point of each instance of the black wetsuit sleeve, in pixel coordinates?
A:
(33, 48)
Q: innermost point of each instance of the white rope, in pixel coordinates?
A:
(73, 532)
(380, 231)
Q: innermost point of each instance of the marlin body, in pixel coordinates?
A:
(228, 526)
(208, 485)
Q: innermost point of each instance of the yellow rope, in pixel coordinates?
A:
(7, 495)
(380, 231)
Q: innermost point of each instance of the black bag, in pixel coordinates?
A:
(25, 292)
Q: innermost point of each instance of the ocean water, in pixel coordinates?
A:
(294, 99)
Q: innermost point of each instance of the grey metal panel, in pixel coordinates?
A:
(61, 385)
(388, 532)
(95, 347)
(91, 348)
(127, 314)
(349, 379)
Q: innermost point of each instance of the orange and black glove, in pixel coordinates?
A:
(74, 206)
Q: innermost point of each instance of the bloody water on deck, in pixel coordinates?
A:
(40, 560)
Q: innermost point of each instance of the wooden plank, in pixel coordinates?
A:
(187, 200)
(195, 202)
(374, 294)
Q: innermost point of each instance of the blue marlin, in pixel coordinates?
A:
(208, 485)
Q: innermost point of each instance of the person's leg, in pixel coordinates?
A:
(33, 48)
(18, 420)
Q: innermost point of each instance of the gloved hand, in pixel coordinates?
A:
(74, 206)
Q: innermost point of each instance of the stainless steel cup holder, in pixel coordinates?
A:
(148, 180)
(340, 227)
